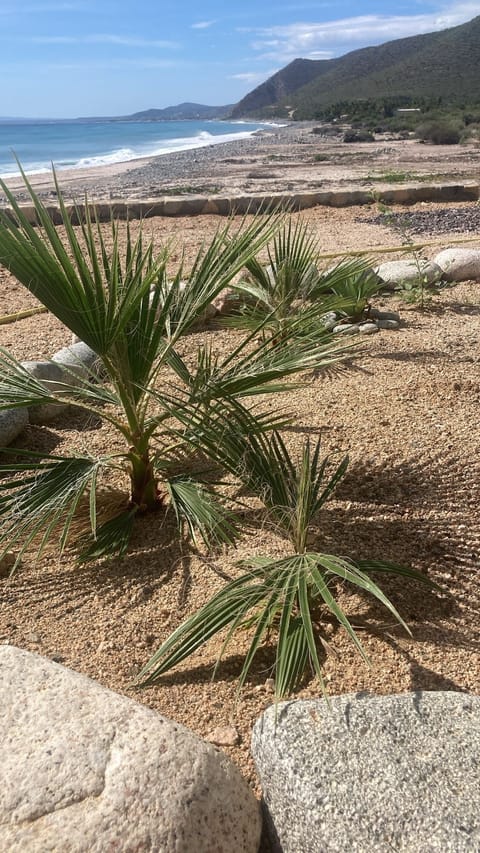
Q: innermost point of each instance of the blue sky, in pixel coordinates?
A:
(114, 57)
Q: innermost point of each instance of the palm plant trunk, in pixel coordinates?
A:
(144, 492)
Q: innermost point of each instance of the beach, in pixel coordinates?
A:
(293, 158)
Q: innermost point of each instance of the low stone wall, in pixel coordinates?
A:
(226, 206)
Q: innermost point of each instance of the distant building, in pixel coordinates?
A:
(408, 110)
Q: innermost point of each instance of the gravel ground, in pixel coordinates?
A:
(407, 414)
(443, 220)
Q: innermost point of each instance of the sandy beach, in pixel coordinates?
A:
(407, 414)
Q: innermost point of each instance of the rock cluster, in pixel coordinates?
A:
(446, 220)
(372, 323)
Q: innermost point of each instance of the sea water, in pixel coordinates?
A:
(80, 145)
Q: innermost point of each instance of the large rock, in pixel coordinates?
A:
(12, 422)
(375, 773)
(53, 377)
(69, 366)
(85, 769)
(459, 264)
(408, 273)
(78, 358)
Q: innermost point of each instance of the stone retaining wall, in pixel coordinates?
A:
(226, 206)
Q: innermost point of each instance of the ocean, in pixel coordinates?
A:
(80, 145)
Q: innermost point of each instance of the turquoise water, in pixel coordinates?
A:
(80, 145)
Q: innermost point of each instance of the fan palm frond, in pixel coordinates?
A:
(288, 596)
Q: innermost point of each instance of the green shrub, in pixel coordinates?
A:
(358, 136)
(439, 133)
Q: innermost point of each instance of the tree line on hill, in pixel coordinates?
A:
(434, 75)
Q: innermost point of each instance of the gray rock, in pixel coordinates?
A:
(368, 328)
(12, 422)
(409, 273)
(346, 329)
(69, 366)
(387, 324)
(372, 773)
(459, 264)
(85, 769)
(329, 320)
(78, 357)
(52, 377)
(376, 314)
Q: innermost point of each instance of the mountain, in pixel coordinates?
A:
(290, 79)
(181, 112)
(442, 64)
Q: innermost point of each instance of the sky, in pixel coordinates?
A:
(115, 57)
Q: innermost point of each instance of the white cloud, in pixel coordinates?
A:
(103, 65)
(330, 38)
(203, 25)
(105, 38)
(253, 77)
(40, 8)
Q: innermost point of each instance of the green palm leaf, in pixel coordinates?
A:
(279, 595)
(43, 496)
(19, 388)
(201, 510)
(95, 298)
(110, 538)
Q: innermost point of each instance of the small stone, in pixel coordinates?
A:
(224, 736)
(346, 329)
(32, 637)
(368, 328)
(329, 320)
(388, 324)
(376, 314)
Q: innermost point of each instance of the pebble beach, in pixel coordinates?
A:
(290, 158)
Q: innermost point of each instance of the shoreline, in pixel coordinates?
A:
(291, 159)
(110, 181)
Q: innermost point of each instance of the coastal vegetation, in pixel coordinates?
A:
(433, 74)
(195, 446)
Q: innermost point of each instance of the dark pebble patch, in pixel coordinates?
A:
(446, 220)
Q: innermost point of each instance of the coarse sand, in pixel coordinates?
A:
(406, 410)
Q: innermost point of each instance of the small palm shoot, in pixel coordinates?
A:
(290, 596)
(353, 283)
(120, 301)
(290, 288)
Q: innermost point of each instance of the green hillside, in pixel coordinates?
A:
(443, 65)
